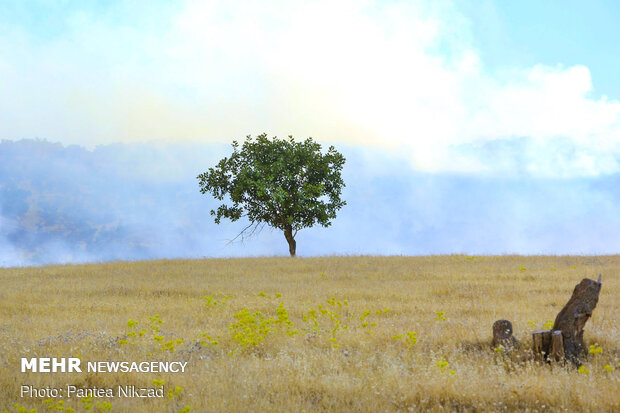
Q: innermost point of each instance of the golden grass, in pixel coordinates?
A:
(83, 310)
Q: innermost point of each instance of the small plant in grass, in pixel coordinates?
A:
(336, 318)
(250, 329)
(208, 340)
(155, 322)
(410, 337)
(175, 393)
(595, 349)
(363, 317)
(104, 406)
(17, 408)
(313, 316)
(442, 364)
(440, 315)
(173, 396)
(58, 405)
(215, 300)
(88, 404)
(582, 370)
(131, 333)
(170, 345)
(282, 320)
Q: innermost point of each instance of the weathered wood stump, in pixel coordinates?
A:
(541, 344)
(502, 335)
(565, 340)
(571, 320)
(548, 345)
(557, 346)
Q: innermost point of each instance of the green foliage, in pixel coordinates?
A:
(175, 393)
(335, 318)
(58, 405)
(132, 338)
(411, 338)
(334, 321)
(282, 320)
(595, 349)
(583, 370)
(285, 184)
(88, 404)
(215, 300)
(21, 409)
(442, 364)
(250, 329)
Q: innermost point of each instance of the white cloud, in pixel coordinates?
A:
(545, 102)
(399, 75)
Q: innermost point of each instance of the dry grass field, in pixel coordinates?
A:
(333, 334)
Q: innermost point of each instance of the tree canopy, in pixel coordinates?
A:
(283, 183)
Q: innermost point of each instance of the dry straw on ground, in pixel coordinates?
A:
(334, 334)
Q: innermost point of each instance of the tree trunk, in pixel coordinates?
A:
(292, 244)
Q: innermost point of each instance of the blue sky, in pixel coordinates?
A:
(500, 120)
(529, 32)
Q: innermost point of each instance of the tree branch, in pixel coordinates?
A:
(244, 234)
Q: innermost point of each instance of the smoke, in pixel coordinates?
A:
(67, 204)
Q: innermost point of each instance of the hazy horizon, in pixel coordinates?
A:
(64, 204)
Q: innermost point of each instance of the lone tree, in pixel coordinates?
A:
(282, 183)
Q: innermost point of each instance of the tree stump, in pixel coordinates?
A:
(571, 320)
(548, 345)
(502, 335)
(557, 346)
(541, 344)
(565, 340)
